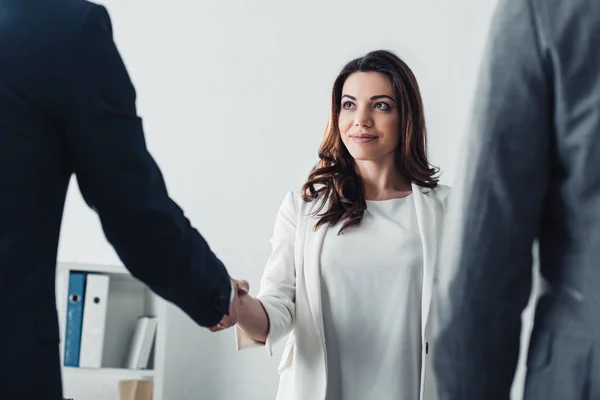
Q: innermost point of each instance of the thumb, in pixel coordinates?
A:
(243, 287)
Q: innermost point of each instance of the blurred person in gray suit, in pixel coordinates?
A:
(531, 173)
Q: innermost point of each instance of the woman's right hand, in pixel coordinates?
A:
(243, 287)
(240, 292)
(247, 312)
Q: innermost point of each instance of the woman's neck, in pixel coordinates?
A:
(382, 180)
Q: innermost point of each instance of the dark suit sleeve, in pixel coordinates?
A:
(484, 272)
(120, 180)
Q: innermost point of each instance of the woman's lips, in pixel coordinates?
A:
(363, 138)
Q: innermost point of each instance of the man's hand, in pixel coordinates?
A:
(240, 291)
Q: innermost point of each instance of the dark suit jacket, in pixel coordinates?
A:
(67, 106)
(532, 173)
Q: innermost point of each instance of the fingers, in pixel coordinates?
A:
(224, 324)
(243, 286)
(240, 289)
(217, 328)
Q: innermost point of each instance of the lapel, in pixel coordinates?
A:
(429, 216)
(312, 271)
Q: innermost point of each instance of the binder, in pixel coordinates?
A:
(75, 300)
(149, 336)
(94, 321)
(141, 343)
(62, 302)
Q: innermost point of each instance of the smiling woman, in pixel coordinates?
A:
(376, 130)
(356, 304)
(369, 119)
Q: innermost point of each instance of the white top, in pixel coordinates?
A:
(372, 279)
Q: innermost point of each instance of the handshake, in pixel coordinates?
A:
(240, 293)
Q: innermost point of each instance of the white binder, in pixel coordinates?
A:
(141, 343)
(94, 321)
(62, 294)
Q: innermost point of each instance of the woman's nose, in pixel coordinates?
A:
(363, 118)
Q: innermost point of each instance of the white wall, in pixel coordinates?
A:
(234, 97)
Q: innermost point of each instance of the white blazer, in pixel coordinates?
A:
(290, 292)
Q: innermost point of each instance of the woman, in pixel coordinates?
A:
(351, 271)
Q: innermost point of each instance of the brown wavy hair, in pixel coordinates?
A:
(335, 179)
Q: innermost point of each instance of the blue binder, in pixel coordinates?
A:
(74, 318)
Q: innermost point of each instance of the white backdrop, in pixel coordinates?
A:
(234, 97)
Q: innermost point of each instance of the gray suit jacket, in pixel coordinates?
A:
(531, 172)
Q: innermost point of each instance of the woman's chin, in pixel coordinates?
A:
(365, 156)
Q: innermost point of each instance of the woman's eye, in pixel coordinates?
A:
(347, 105)
(382, 106)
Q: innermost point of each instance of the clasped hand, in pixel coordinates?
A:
(240, 292)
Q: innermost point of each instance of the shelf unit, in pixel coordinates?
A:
(128, 299)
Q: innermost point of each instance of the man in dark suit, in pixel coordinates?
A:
(68, 106)
(532, 173)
